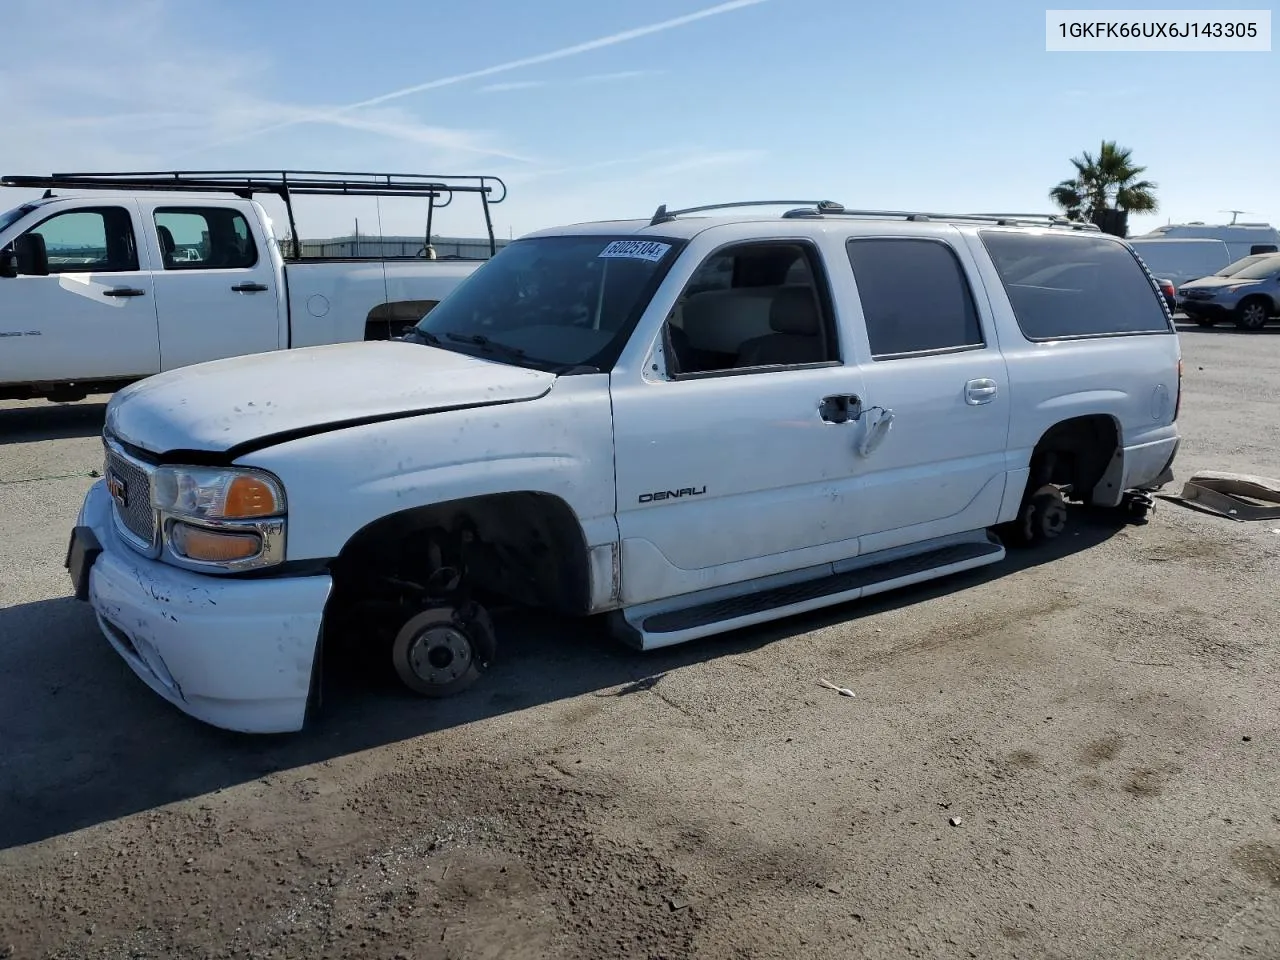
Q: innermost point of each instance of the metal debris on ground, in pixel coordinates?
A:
(1236, 496)
(843, 691)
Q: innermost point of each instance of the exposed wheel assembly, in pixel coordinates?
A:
(1042, 518)
(444, 650)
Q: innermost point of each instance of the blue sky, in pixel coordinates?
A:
(927, 105)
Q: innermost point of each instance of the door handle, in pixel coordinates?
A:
(840, 408)
(124, 292)
(249, 287)
(980, 391)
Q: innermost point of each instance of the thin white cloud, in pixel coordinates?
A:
(561, 54)
(590, 79)
(620, 75)
(512, 85)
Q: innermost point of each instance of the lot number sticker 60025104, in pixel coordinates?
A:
(636, 250)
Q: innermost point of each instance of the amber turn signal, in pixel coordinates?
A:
(213, 546)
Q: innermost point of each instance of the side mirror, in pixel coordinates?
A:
(8, 264)
(31, 256)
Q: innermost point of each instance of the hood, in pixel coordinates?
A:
(1207, 283)
(229, 406)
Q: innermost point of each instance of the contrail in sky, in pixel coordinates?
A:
(561, 54)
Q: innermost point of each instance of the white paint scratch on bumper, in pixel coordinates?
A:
(236, 654)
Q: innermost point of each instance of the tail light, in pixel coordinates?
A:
(1168, 289)
(1177, 403)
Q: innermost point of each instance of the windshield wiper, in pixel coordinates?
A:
(414, 335)
(480, 340)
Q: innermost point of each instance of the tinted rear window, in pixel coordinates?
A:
(1072, 285)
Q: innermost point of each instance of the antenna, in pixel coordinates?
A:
(1234, 214)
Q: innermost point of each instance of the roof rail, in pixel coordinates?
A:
(285, 184)
(663, 215)
(803, 209)
(1000, 219)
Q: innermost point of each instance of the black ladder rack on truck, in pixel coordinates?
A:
(286, 184)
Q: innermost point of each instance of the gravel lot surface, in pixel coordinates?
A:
(1073, 754)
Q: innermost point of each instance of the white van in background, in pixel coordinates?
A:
(1182, 261)
(1241, 239)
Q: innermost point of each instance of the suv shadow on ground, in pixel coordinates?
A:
(85, 742)
(49, 421)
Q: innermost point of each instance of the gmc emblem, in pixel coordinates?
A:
(118, 490)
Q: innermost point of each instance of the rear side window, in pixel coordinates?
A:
(915, 297)
(204, 238)
(1069, 285)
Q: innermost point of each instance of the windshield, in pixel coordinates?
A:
(11, 217)
(552, 302)
(1261, 270)
(1231, 269)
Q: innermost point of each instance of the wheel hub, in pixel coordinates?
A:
(440, 654)
(1054, 519)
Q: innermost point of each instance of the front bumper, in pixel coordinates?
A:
(235, 653)
(1206, 309)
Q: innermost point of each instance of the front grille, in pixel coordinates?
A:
(130, 482)
(1197, 295)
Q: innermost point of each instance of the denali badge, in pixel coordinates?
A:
(673, 494)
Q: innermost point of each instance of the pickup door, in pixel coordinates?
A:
(217, 288)
(93, 317)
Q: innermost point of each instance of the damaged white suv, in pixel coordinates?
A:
(689, 423)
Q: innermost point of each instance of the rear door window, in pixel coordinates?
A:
(1067, 286)
(204, 238)
(915, 297)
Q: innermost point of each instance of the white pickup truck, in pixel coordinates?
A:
(97, 291)
(689, 424)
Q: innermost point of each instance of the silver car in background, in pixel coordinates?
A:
(1249, 296)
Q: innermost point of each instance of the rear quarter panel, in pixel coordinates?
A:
(1131, 378)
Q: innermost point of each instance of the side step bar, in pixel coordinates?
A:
(667, 622)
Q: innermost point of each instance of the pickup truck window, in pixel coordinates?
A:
(753, 307)
(205, 238)
(915, 297)
(90, 240)
(553, 302)
(1067, 286)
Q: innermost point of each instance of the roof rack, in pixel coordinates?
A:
(285, 184)
(663, 215)
(817, 209)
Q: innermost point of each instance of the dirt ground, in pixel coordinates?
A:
(1070, 755)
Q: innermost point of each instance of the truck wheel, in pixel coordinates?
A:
(444, 650)
(1252, 314)
(1043, 517)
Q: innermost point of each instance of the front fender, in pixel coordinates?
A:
(339, 482)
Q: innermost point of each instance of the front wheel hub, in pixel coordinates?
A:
(440, 651)
(440, 654)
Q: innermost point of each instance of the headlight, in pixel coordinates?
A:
(211, 494)
(220, 520)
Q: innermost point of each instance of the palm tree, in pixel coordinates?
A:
(1105, 189)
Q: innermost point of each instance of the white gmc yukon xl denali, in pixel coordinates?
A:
(687, 424)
